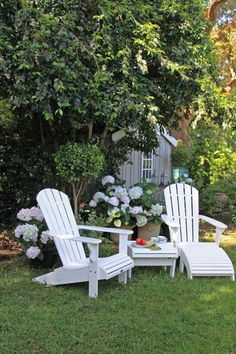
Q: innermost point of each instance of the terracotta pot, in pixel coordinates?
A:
(115, 237)
(149, 230)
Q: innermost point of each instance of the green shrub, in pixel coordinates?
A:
(78, 164)
(210, 202)
(213, 153)
(25, 169)
(181, 155)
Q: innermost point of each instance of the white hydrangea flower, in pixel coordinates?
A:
(99, 196)
(114, 212)
(32, 252)
(44, 238)
(141, 220)
(124, 208)
(30, 233)
(125, 199)
(135, 192)
(120, 192)
(136, 210)
(108, 179)
(113, 201)
(24, 215)
(156, 209)
(19, 230)
(93, 203)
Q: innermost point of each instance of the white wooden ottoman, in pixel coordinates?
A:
(145, 257)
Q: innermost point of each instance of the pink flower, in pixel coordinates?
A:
(36, 213)
(24, 215)
(29, 214)
(32, 252)
(113, 201)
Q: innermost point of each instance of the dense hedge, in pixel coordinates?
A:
(24, 169)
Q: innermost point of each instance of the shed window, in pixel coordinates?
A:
(147, 166)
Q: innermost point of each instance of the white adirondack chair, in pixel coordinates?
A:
(199, 258)
(59, 217)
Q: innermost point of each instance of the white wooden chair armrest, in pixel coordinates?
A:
(105, 229)
(169, 221)
(123, 234)
(90, 240)
(220, 227)
(173, 227)
(213, 222)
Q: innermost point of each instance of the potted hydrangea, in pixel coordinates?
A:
(126, 208)
(149, 221)
(37, 245)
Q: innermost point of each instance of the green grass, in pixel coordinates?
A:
(152, 314)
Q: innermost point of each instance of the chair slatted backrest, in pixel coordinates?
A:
(182, 203)
(60, 220)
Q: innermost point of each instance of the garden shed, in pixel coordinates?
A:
(153, 167)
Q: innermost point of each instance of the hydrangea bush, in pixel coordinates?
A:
(135, 206)
(34, 241)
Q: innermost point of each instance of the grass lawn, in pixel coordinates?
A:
(152, 314)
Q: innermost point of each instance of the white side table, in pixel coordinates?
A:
(145, 257)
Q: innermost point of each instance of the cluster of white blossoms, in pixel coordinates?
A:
(135, 192)
(123, 206)
(29, 233)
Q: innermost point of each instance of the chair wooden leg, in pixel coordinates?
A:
(172, 270)
(93, 271)
(129, 273)
(122, 278)
(181, 265)
(93, 287)
(233, 277)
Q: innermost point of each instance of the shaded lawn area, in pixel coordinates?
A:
(152, 314)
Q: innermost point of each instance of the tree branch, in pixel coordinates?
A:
(90, 131)
(213, 10)
(230, 86)
(104, 134)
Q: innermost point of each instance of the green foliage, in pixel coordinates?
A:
(6, 117)
(213, 153)
(79, 71)
(180, 155)
(109, 65)
(211, 202)
(75, 162)
(25, 169)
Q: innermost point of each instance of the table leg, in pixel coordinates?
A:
(172, 269)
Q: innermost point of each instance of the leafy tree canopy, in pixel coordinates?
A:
(82, 70)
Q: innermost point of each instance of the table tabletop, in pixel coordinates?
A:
(166, 249)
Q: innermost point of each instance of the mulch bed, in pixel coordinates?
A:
(8, 247)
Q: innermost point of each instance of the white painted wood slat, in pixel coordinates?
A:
(58, 214)
(180, 195)
(189, 213)
(182, 203)
(59, 217)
